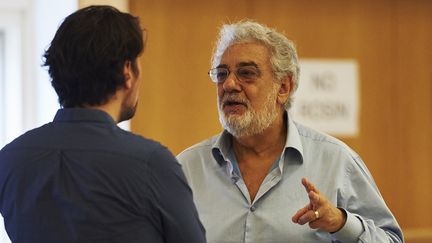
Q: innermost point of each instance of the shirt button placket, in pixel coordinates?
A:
(248, 226)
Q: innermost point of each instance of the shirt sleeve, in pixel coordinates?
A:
(352, 229)
(173, 199)
(365, 207)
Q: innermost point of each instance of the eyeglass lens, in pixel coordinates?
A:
(244, 74)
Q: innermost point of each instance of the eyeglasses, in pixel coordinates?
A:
(245, 74)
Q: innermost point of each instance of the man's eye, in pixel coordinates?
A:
(247, 73)
(221, 75)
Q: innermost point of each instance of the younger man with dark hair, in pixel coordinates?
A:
(81, 178)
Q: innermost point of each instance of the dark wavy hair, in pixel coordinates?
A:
(86, 57)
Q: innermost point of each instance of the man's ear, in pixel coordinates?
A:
(286, 86)
(127, 73)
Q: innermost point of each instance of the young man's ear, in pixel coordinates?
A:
(285, 89)
(127, 73)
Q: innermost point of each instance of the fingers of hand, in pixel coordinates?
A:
(315, 200)
(329, 219)
(311, 213)
(309, 186)
(315, 224)
(306, 184)
(307, 217)
(300, 213)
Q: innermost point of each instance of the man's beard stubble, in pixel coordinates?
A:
(127, 112)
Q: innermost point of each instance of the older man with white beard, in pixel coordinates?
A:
(246, 180)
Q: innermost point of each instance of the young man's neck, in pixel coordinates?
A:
(112, 107)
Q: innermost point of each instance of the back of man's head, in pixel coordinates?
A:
(86, 57)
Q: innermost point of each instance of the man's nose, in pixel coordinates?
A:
(231, 82)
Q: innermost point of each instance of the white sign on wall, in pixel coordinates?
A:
(327, 98)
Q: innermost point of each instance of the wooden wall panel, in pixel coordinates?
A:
(412, 107)
(391, 40)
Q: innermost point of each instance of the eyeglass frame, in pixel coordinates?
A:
(240, 78)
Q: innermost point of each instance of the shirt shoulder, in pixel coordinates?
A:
(88, 139)
(154, 154)
(199, 150)
(327, 150)
(313, 139)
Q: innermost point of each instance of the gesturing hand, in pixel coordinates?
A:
(320, 212)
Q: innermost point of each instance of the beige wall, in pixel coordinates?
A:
(122, 5)
(391, 39)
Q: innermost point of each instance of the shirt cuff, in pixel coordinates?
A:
(352, 229)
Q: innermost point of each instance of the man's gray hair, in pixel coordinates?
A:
(283, 58)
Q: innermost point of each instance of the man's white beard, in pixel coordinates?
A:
(252, 122)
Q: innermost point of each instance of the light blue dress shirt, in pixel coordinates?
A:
(229, 215)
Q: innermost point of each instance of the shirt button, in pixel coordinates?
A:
(252, 209)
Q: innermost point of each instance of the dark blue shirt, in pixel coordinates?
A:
(81, 178)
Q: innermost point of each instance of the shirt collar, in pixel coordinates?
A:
(221, 150)
(293, 137)
(222, 145)
(83, 115)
